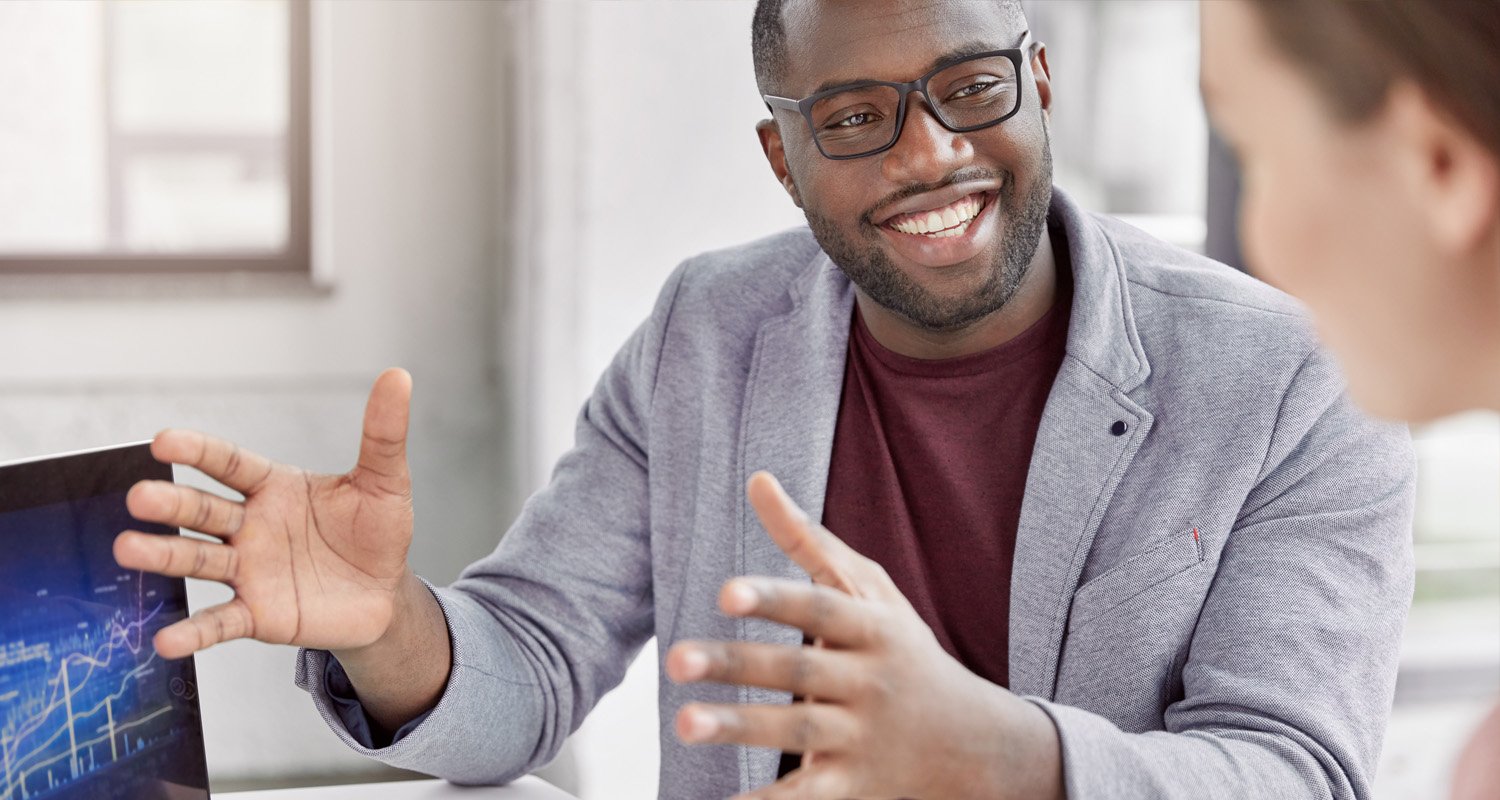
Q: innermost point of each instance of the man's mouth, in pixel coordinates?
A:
(943, 222)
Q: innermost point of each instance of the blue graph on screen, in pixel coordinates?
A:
(87, 708)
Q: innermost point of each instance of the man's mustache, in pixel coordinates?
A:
(972, 174)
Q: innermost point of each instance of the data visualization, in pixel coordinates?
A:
(87, 708)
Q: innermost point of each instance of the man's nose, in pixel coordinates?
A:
(925, 151)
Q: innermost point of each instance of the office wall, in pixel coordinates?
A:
(636, 150)
(408, 159)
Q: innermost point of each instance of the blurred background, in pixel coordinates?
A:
(232, 214)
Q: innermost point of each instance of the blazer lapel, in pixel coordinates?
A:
(1080, 454)
(1075, 466)
(790, 410)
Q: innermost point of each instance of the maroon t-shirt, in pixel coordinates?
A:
(929, 468)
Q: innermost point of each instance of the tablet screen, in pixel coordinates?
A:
(87, 708)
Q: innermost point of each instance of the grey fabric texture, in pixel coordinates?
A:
(1208, 604)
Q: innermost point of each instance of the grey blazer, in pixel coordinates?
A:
(1255, 659)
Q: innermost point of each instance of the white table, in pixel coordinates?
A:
(527, 788)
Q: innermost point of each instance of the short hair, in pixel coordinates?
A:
(768, 39)
(768, 45)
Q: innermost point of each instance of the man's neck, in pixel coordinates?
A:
(1031, 302)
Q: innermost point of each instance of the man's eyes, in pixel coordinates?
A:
(976, 89)
(855, 120)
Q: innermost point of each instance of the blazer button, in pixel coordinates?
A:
(1119, 428)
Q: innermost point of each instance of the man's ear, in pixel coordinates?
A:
(1043, 75)
(1452, 175)
(770, 142)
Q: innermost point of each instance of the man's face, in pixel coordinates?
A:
(858, 208)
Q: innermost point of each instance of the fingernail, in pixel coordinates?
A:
(740, 598)
(701, 724)
(694, 664)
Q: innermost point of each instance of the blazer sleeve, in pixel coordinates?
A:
(1292, 667)
(546, 624)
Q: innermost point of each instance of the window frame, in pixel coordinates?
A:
(295, 256)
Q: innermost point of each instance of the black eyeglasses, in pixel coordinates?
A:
(865, 118)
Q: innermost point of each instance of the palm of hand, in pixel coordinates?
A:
(320, 558)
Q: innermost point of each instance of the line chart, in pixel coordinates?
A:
(87, 708)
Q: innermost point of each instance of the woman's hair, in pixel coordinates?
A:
(1353, 51)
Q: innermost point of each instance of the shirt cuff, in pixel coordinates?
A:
(345, 702)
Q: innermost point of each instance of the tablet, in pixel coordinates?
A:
(87, 707)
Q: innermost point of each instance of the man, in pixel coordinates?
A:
(1102, 522)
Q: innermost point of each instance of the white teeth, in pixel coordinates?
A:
(943, 222)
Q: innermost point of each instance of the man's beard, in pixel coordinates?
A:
(866, 264)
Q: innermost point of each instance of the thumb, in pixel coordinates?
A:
(382, 447)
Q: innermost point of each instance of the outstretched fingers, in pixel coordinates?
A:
(224, 461)
(822, 612)
(211, 626)
(177, 556)
(184, 507)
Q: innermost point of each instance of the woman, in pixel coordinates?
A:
(1369, 139)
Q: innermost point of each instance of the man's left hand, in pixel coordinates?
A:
(889, 714)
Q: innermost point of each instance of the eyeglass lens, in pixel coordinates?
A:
(968, 94)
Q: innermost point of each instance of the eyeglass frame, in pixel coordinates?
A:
(805, 105)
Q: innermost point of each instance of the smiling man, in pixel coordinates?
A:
(1057, 509)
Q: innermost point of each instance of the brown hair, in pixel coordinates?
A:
(1354, 50)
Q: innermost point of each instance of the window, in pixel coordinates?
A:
(154, 135)
(1129, 136)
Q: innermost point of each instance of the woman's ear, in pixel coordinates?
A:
(770, 143)
(1453, 177)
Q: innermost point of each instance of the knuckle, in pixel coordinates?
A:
(201, 627)
(176, 514)
(731, 662)
(267, 470)
(768, 598)
(222, 516)
(820, 608)
(805, 731)
(232, 463)
(801, 669)
(245, 621)
(383, 445)
(166, 557)
(203, 514)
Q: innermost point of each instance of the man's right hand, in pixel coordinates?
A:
(315, 560)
